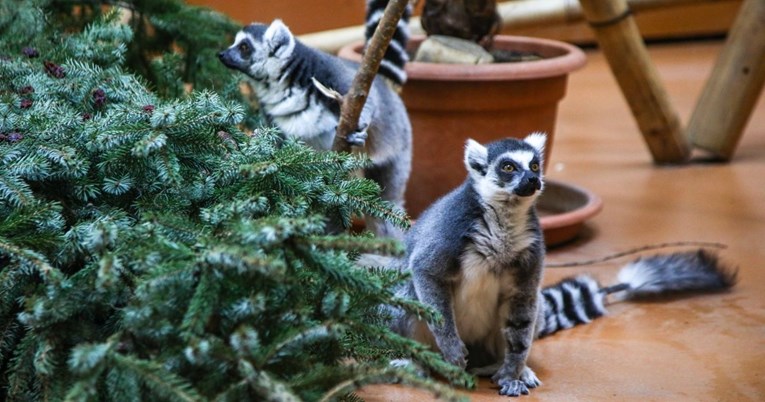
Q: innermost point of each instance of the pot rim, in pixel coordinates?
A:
(592, 205)
(569, 58)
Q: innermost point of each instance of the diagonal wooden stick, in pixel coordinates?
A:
(354, 100)
(730, 94)
(621, 43)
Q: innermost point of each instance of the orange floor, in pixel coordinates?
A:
(703, 348)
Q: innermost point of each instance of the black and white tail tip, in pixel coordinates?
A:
(395, 58)
(579, 300)
(698, 270)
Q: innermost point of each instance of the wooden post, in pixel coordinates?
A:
(737, 79)
(620, 41)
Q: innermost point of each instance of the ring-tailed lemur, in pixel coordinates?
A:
(476, 256)
(290, 81)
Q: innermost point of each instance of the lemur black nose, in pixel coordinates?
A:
(528, 186)
(220, 54)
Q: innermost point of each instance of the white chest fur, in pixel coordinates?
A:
(478, 299)
(487, 280)
(308, 124)
(297, 114)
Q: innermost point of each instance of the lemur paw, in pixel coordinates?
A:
(515, 387)
(512, 387)
(455, 353)
(529, 378)
(358, 137)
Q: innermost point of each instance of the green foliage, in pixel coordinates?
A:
(173, 46)
(160, 28)
(152, 251)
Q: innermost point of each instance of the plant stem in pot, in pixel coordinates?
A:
(475, 20)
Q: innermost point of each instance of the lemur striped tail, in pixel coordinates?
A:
(581, 299)
(570, 302)
(392, 65)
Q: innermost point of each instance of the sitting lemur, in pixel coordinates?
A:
(477, 255)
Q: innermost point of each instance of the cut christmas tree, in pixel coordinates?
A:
(150, 249)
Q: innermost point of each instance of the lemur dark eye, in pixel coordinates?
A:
(534, 167)
(508, 167)
(244, 47)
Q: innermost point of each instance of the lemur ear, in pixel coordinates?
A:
(537, 140)
(279, 39)
(476, 158)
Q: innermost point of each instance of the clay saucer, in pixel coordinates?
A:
(563, 209)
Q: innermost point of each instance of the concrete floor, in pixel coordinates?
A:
(705, 347)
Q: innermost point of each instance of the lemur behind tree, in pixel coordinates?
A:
(283, 71)
(477, 256)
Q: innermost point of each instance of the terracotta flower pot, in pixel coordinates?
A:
(449, 103)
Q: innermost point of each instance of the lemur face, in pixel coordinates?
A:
(260, 51)
(507, 168)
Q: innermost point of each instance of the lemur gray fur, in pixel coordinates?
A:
(477, 255)
(290, 78)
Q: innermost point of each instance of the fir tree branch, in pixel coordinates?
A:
(235, 392)
(33, 259)
(340, 270)
(421, 311)
(418, 352)
(21, 370)
(44, 362)
(10, 331)
(368, 376)
(245, 261)
(353, 243)
(300, 339)
(292, 158)
(398, 217)
(161, 382)
(269, 389)
(15, 191)
(89, 358)
(179, 227)
(201, 306)
(353, 101)
(12, 282)
(122, 387)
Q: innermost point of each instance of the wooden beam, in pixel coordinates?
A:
(620, 41)
(737, 79)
